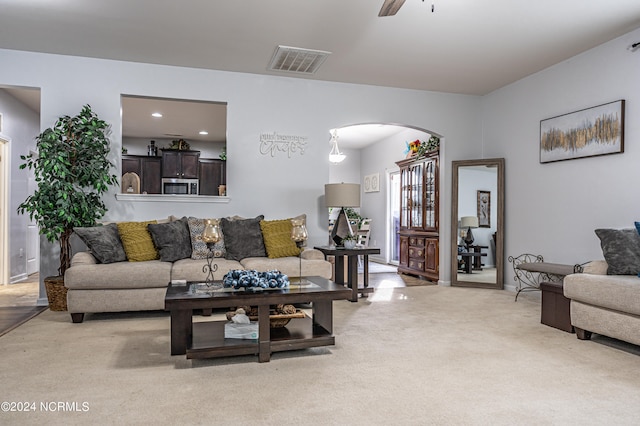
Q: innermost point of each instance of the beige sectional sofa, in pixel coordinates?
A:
(127, 285)
(605, 299)
(604, 304)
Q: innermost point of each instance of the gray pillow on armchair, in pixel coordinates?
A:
(621, 250)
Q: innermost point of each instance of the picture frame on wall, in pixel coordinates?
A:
(589, 132)
(372, 183)
(484, 209)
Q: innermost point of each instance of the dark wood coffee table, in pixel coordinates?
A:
(206, 339)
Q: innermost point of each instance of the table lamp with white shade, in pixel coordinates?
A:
(341, 195)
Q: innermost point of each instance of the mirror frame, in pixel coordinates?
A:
(491, 162)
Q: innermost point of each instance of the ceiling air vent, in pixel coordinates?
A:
(297, 60)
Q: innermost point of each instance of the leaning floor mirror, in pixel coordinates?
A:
(477, 223)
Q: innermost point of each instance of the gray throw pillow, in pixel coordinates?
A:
(621, 250)
(243, 238)
(104, 242)
(172, 239)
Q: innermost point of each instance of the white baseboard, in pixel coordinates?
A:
(18, 278)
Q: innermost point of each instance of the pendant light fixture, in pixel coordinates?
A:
(335, 156)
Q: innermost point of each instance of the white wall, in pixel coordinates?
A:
(276, 186)
(552, 209)
(21, 126)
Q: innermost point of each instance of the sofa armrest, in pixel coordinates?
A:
(312, 254)
(83, 258)
(596, 267)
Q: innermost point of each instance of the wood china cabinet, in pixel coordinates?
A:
(419, 205)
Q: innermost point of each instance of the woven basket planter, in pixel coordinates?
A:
(56, 293)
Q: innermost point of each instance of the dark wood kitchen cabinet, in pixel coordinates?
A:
(213, 173)
(149, 169)
(180, 164)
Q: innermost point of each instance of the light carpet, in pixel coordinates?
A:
(423, 355)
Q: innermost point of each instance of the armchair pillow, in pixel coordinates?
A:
(621, 250)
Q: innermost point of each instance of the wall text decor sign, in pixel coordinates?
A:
(271, 143)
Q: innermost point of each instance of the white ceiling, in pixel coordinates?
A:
(464, 46)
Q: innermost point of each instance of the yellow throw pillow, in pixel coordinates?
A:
(277, 238)
(137, 241)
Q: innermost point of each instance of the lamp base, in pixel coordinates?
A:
(341, 228)
(468, 240)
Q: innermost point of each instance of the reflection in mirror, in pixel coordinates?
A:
(477, 223)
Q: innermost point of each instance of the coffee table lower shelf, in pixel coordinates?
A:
(300, 333)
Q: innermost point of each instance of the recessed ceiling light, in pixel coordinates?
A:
(156, 115)
(204, 132)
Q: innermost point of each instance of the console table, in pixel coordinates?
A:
(352, 259)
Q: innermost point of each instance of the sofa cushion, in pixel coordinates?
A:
(277, 238)
(137, 241)
(199, 249)
(290, 266)
(104, 242)
(621, 293)
(153, 273)
(191, 269)
(172, 240)
(243, 238)
(621, 250)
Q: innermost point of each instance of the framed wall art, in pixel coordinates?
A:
(372, 183)
(586, 133)
(484, 209)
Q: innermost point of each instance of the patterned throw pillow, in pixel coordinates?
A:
(243, 238)
(199, 248)
(104, 242)
(277, 238)
(172, 239)
(137, 241)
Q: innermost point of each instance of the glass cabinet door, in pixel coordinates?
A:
(405, 198)
(430, 195)
(416, 173)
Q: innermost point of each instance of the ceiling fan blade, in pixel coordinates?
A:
(390, 7)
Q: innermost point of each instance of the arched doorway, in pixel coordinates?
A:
(371, 151)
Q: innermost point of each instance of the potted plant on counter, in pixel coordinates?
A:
(72, 172)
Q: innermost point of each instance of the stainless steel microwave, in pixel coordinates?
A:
(180, 186)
